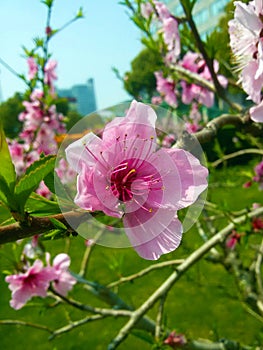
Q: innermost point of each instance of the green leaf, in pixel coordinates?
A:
(40, 206)
(32, 178)
(59, 225)
(80, 13)
(7, 169)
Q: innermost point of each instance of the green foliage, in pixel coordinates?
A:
(30, 181)
(9, 112)
(7, 172)
(140, 81)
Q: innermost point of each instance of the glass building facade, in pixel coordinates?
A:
(206, 13)
(81, 97)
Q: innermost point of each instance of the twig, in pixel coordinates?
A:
(24, 323)
(94, 310)
(75, 324)
(144, 272)
(259, 277)
(237, 154)
(170, 281)
(159, 318)
(87, 253)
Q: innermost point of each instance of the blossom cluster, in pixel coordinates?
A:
(191, 92)
(41, 124)
(246, 42)
(36, 279)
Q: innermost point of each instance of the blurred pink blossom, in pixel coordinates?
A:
(33, 282)
(146, 10)
(166, 87)
(123, 173)
(256, 112)
(233, 239)
(64, 281)
(193, 92)
(245, 32)
(32, 68)
(259, 175)
(175, 340)
(50, 74)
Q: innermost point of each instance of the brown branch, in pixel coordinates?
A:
(38, 225)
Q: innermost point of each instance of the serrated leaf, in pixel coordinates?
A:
(6, 196)
(32, 178)
(7, 169)
(54, 234)
(40, 206)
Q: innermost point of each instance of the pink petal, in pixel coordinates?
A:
(138, 122)
(256, 113)
(251, 85)
(167, 241)
(61, 261)
(247, 17)
(85, 150)
(192, 176)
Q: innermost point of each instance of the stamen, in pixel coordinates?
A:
(127, 175)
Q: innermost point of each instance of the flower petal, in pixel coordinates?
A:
(167, 241)
(85, 150)
(138, 122)
(192, 176)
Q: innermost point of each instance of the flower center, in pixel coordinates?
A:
(121, 180)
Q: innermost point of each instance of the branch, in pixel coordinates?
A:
(38, 225)
(144, 272)
(23, 323)
(181, 269)
(75, 324)
(237, 154)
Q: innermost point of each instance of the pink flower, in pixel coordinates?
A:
(123, 175)
(171, 38)
(32, 68)
(233, 239)
(156, 100)
(256, 112)
(193, 92)
(257, 224)
(50, 74)
(162, 10)
(166, 87)
(33, 282)
(245, 32)
(259, 175)
(168, 140)
(146, 10)
(175, 340)
(64, 281)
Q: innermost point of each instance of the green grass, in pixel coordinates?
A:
(203, 303)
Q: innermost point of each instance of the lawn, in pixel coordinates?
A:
(204, 303)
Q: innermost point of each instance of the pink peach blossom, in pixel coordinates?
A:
(166, 87)
(63, 281)
(33, 282)
(125, 176)
(245, 32)
(32, 68)
(256, 113)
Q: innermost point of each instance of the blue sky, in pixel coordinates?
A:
(106, 37)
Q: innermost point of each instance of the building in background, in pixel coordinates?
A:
(81, 97)
(206, 13)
